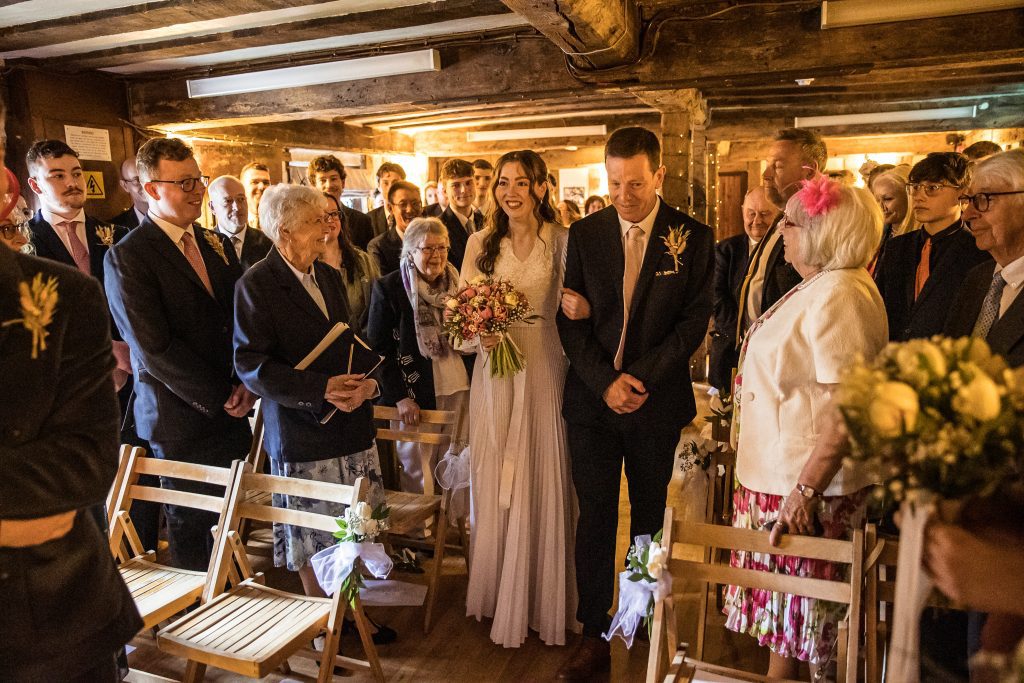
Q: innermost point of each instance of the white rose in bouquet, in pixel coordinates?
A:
(894, 409)
(657, 560)
(979, 398)
(920, 361)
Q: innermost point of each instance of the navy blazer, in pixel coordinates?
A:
(386, 250)
(457, 235)
(49, 245)
(1006, 336)
(391, 331)
(127, 218)
(58, 453)
(668, 318)
(897, 272)
(179, 335)
(277, 324)
(360, 230)
(731, 256)
(255, 248)
(378, 220)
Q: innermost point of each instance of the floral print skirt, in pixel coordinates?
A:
(294, 545)
(791, 625)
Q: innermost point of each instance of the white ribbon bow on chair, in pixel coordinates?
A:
(332, 565)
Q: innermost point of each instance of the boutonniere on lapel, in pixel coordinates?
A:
(675, 245)
(38, 301)
(216, 244)
(106, 234)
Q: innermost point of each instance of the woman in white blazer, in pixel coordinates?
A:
(790, 362)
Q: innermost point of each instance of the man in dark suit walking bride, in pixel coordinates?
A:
(643, 269)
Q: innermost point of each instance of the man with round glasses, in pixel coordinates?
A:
(920, 271)
(404, 204)
(171, 287)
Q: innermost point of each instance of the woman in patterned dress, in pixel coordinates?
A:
(790, 363)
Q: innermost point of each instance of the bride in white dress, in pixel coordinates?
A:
(523, 506)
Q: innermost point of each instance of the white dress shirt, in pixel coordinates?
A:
(237, 240)
(646, 226)
(309, 283)
(174, 232)
(466, 219)
(1013, 273)
(53, 219)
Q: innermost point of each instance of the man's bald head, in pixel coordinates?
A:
(131, 184)
(228, 204)
(758, 213)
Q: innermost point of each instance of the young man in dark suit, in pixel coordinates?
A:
(628, 392)
(731, 257)
(129, 181)
(229, 205)
(67, 612)
(461, 218)
(920, 271)
(381, 217)
(171, 290)
(327, 174)
(404, 201)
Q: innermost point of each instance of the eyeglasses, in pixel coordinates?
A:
(930, 189)
(332, 215)
(134, 182)
(440, 251)
(405, 206)
(983, 200)
(9, 230)
(188, 184)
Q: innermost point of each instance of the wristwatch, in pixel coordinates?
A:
(807, 491)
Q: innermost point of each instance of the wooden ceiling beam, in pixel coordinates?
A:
(309, 133)
(592, 33)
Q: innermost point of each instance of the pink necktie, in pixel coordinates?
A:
(634, 259)
(78, 250)
(195, 259)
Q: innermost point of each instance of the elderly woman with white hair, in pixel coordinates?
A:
(790, 363)
(284, 306)
(421, 370)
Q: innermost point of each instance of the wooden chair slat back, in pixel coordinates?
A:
(430, 417)
(345, 494)
(836, 591)
(197, 501)
(717, 536)
(140, 463)
(175, 469)
(431, 438)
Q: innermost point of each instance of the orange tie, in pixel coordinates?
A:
(923, 268)
(195, 259)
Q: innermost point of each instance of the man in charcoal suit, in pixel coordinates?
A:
(628, 392)
(403, 200)
(229, 205)
(381, 218)
(171, 290)
(129, 182)
(461, 218)
(66, 611)
(327, 174)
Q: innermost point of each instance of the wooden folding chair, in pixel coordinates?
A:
(411, 512)
(249, 628)
(159, 591)
(122, 468)
(713, 572)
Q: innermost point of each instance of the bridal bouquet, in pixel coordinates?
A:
(338, 567)
(645, 583)
(935, 419)
(489, 306)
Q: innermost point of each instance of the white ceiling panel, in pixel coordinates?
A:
(33, 11)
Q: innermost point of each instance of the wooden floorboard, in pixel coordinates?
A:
(459, 648)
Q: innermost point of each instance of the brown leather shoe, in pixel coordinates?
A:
(591, 658)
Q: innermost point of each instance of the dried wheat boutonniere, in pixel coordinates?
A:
(215, 242)
(675, 243)
(106, 234)
(38, 301)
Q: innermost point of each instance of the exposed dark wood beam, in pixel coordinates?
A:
(593, 33)
(315, 134)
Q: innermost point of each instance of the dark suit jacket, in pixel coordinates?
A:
(730, 268)
(391, 331)
(379, 220)
(49, 245)
(180, 336)
(360, 230)
(255, 248)
(386, 250)
(278, 323)
(128, 218)
(433, 210)
(779, 278)
(668, 318)
(910, 319)
(1006, 336)
(457, 235)
(65, 605)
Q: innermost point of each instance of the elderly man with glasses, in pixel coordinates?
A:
(920, 271)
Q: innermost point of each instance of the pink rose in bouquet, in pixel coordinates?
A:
(489, 306)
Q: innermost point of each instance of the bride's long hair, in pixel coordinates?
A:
(497, 220)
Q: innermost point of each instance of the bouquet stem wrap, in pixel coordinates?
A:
(506, 359)
(913, 587)
(637, 597)
(334, 566)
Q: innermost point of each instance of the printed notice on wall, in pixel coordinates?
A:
(92, 144)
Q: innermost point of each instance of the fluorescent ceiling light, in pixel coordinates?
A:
(443, 28)
(531, 133)
(316, 74)
(838, 13)
(886, 117)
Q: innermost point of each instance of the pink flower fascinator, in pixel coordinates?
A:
(819, 195)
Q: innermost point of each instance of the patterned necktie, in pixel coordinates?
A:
(924, 268)
(236, 242)
(634, 259)
(79, 252)
(195, 259)
(990, 307)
